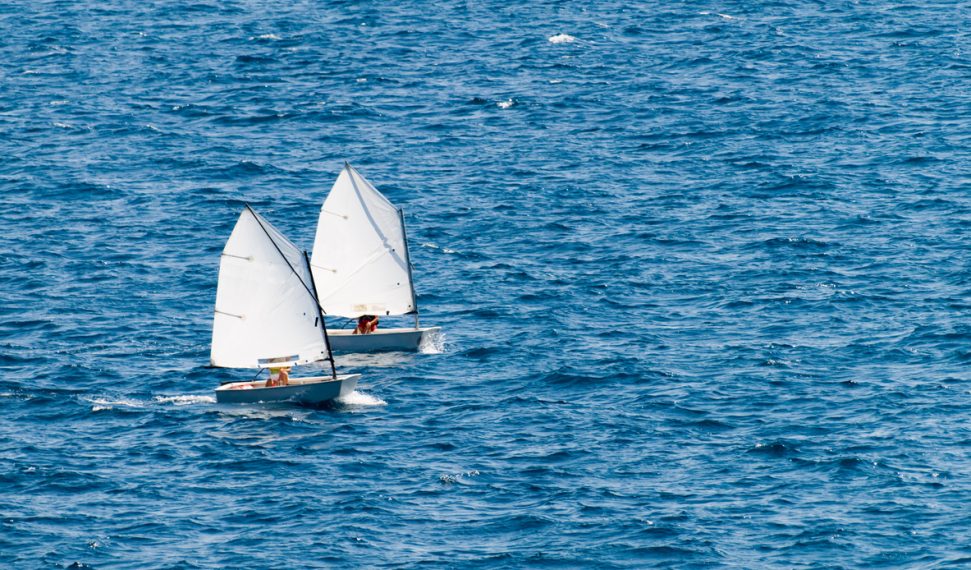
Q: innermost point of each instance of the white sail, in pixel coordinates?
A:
(266, 314)
(360, 259)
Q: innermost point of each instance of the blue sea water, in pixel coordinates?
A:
(702, 269)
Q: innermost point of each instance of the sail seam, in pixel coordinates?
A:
(241, 317)
(345, 216)
(332, 270)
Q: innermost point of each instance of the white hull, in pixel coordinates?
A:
(311, 390)
(380, 340)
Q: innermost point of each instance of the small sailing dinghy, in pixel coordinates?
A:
(361, 266)
(267, 315)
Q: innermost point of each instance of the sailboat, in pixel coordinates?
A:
(267, 315)
(361, 266)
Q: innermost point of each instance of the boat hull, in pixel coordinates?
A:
(311, 390)
(381, 340)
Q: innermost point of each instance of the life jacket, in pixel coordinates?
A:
(365, 324)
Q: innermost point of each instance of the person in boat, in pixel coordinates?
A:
(366, 324)
(278, 377)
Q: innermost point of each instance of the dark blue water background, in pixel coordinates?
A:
(703, 273)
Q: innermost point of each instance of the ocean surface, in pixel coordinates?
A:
(702, 271)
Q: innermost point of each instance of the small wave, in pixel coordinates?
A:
(185, 400)
(561, 39)
(246, 58)
(268, 37)
(793, 242)
(482, 352)
(776, 448)
(505, 104)
(360, 399)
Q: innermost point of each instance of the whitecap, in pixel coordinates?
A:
(505, 104)
(185, 400)
(561, 39)
(360, 399)
(272, 37)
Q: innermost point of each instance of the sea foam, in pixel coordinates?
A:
(185, 400)
(360, 399)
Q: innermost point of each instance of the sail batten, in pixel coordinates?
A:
(360, 258)
(266, 307)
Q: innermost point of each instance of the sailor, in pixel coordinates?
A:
(278, 377)
(366, 324)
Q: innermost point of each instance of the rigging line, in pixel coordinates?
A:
(411, 280)
(229, 314)
(323, 211)
(287, 261)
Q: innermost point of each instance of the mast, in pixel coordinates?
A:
(320, 314)
(411, 281)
